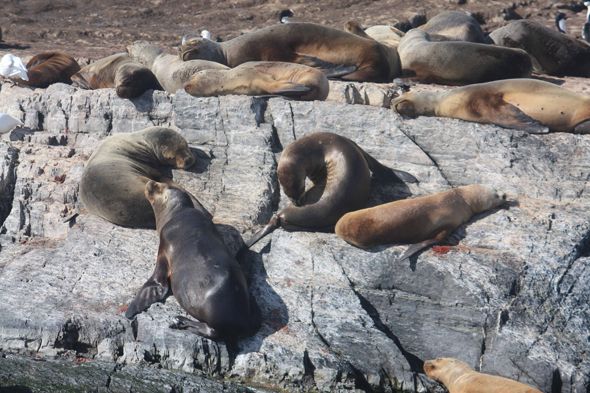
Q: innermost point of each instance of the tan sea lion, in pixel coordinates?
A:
(113, 182)
(195, 263)
(304, 43)
(458, 377)
(129, 78)
(425, 221)
(552, 52)
(524, 104)
(172, 72)
(292, 80)
(459, 63)
(341, 175)
(454, 26)
(48, 68)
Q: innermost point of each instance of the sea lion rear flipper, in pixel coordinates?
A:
(200, 328)
(509, 116)
(386, 173)
(330, 70)
(80, 82)
(292, 90)
(414, 248)
(154, 290)
(273, 224)
(582, 128)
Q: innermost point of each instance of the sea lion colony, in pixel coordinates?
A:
(293, 60)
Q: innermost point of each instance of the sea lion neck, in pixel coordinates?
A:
(144, 53)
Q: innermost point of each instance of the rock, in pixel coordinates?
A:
(375, 94)
(510, 298)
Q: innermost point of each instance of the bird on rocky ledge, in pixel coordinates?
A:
(285, 15)
(7, 123)
(586, 29)
(560, 22)
(13, 67)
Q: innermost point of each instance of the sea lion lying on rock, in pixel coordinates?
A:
(48, 68)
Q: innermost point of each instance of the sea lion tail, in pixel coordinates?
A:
(273, 224)
(330, 70)
(386, 173)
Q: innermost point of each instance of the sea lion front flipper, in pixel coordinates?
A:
(509, 116)
(414, 248)
(292, 89)
(386, 173)
(154, 290)
(582, 128)
(330, 70)
(200, 328)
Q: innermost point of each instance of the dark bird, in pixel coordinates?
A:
(560, 22)
(285, 15)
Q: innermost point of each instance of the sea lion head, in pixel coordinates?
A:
(171, 148)
(292, 175)
(165, 198)
(199, 48)
(205, 83)
(445, 369)
(482, 197)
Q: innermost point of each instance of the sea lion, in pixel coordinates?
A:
(48, 68)
(292, 80)
(172, 73)
(304, 43)
(454, 26)
(195, 263)
(129, 78)
(341, 175)
(114, 178)
(458, 377)
(425, 221)
(459, 63)
(552, 52)
(525, 104)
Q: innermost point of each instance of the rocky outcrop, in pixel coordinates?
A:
(510, 298)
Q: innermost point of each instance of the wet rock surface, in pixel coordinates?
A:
(509, 297)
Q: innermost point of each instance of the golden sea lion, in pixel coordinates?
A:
(171, 72)
(454, 26)
(304, 43)
(459, 63)
(195, 263)
(458, 377)
(425, 221)
(524, 104)
(262, 77)
(48, 68)
(129, 78)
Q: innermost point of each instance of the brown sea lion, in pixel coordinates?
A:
(195, 263)
(48, 68)
(172, 72)
(341, 175)
(454, 26)
(262, 77)
(426, 220)
(458, 377)
(129, 78)
(113, 182)
(459, 63)
(304, 43)
(552, 52)
(524, 104)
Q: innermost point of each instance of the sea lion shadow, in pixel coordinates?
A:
(202, 161)
(144, 103)
(14, 46)
(554, 80)
(385, 192)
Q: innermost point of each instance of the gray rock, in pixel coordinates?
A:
(509, 298)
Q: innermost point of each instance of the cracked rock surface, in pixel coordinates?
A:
(510, 297)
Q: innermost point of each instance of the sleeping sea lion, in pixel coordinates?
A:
(195, 263)
(425, 221)
(454, 26)
(129, 78)
(525, 104)
(304, 43)
(48, 68)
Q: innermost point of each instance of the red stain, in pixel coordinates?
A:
(441, 250)
(79, 359)
(121, 309)
(60, 179)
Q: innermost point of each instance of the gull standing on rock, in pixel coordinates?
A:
(13, 67)
(206, 34)
(586, 29)
(560, 22)
(7, 123)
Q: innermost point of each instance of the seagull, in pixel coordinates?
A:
(13, 67)
(285, 15)
(586, 29)
(7, 123)
(560, 22)
(206, 34)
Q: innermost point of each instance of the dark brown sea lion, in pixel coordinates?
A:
(262, 77)
(48, 68)
(454, 26)
(195, 263)
(129, 78)
(458, 377)
(113, 182)
(426, 220)
(552, 52)
(524, 104)
(304, 43)
(341, 174)
(459, 63)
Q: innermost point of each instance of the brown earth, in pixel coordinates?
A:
(94, 29)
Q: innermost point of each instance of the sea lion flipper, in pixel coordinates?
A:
(330, 70)
(154, 290)
(509, 116)
(273, 224)
(200, 328)
(582, 128)
(292, 89)
(80, 82)
(414, 248)
(386, 173)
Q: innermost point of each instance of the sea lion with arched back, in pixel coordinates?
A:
(171, 72)
(341, 175)
(113, 182)
(48, 68)
(552, 52)
(454, 26)
(128, 77)
(195, 263)
(524, 104)
(425, 221)
(458, 377)
(459, 63)
(291, 80)
(304, 43)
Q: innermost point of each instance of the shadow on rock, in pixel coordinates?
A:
(384, 192)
